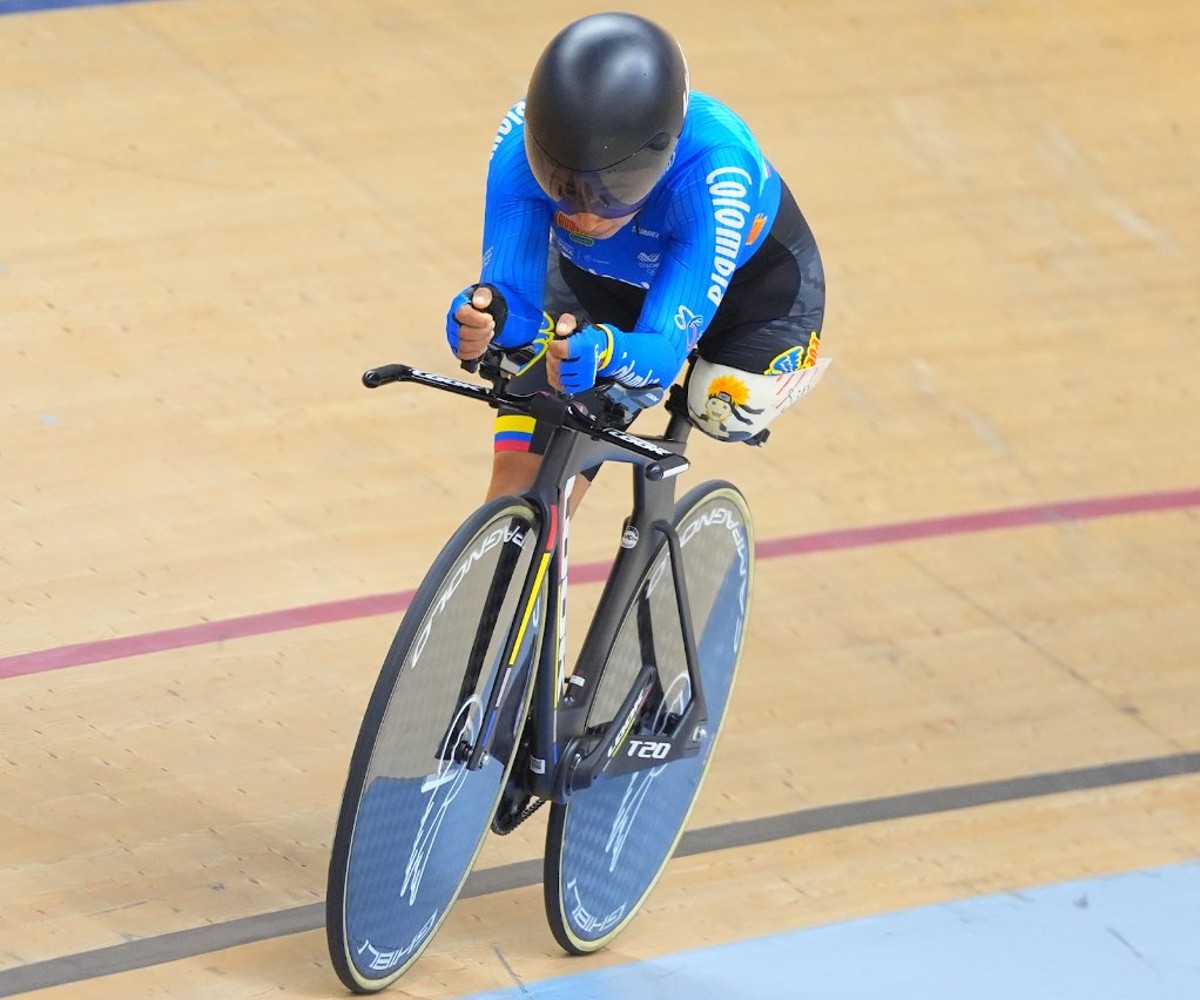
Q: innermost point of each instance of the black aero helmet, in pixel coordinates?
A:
(603, 113)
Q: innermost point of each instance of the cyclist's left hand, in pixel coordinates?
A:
(574, 357)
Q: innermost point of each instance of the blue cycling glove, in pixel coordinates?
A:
(591, 350)
(498, 310)
(461, 299)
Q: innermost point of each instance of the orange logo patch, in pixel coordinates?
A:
(756, 228)
(574, 233)
(564, 222)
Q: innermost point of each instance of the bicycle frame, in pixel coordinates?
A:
(564, 756)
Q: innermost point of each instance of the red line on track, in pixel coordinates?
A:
(122, 647)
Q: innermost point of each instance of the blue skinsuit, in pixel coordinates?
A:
(707, 216)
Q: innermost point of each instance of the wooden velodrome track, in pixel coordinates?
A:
(216, 213)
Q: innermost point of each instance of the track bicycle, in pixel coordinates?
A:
(475, 719)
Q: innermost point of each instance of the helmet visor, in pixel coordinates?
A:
(611, 193)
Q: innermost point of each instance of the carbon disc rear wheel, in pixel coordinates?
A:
(608, 844)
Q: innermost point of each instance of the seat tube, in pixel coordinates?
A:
(544, 754)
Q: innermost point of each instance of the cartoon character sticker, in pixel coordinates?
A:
(726, 399)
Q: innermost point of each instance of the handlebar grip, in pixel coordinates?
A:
(490, 359)
(375, 377)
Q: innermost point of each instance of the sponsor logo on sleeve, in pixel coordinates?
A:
(690, 323)
(515, 117)
(730, 210)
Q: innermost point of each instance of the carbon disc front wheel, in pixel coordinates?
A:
(414, 814)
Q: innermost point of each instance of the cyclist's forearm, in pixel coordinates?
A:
(642, 357)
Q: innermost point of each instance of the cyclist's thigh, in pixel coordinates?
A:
(792, 293)
(734, 389)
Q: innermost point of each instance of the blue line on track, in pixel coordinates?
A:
(1132, 936)
(34, 6)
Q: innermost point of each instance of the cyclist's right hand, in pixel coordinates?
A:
(469, 326)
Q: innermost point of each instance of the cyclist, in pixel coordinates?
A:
(630, 222)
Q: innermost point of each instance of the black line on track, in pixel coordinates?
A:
(310, 917)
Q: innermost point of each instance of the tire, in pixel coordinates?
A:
(413, 817)
(607, 845)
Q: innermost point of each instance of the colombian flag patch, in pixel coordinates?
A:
(514, 431)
